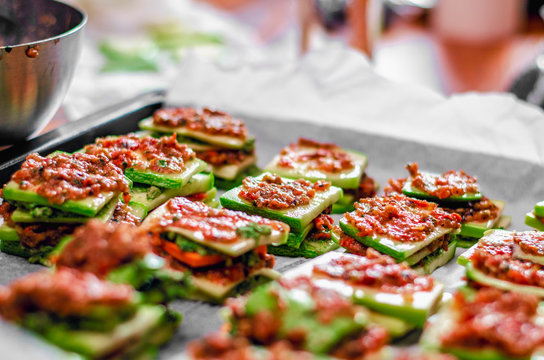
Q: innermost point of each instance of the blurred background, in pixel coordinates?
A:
(448, 46)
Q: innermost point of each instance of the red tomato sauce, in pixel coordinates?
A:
(207, 121)
(63, 177)
(316, 156)
(273, 192)
(450, 183)
(165, 155)
(377, 271)
(400, 218)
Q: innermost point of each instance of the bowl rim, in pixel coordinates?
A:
(75, 29)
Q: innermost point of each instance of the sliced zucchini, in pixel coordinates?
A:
(86, 207)
(309, 248)
(60, 217)
(348, 179)
(539, 209)
(534, 221)
(151, 197)
(174, 181)
(220, 140)
(224, 184)
(344, 204)
(476, 229)
(233, 249)
(151, 325)
(399, 250)
(413, 310)
(438, 258)
(411, 191)
(216, 292)
(232, 171)
(294, 240)
(297, 218)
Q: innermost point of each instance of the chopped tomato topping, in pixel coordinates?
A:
(450, 183)
(192, 259)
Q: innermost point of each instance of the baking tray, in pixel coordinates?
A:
(519, 183)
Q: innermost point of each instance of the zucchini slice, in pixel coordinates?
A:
(484, 279)
(175, 181)
(348, 179)
(397, 249)
(476, 229)
(534, 221)
(438, 258)
(413, 310)
(225, 184)
(234, 249)
(309, 248)
(59, 217)
(219, 140)
(86, 207)
(152, 325)
(411, 191)
(231, 172)
(151, 197)
(539, 209)
(297, 218)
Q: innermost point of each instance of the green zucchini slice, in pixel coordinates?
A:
(348, 179)
(438, 258)
(411, 191)
(476, 229)
(232, 171)
(175, 181)
(86, 207)
(309, 248)
(225, 184)
(397, 249)
(297, 218)
(219, 140)
(539, 209)
(534, 221)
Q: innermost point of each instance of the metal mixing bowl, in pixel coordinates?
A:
(41, 44)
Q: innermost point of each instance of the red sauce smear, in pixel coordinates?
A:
(377, 271)
(221, 157)
(207, 121)
(165, 155)
(99, 248)
(501, 320)
(530, 242)
(63, 177)
(122, 215)
(65, 292)
(370, 341)
(316, 156)
(450, 183)
(273, 192)
(218, 225)
(323, 225)
(400, 218)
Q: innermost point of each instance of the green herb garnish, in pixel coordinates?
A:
(253, 231)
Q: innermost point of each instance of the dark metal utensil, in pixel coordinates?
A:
(39, 49)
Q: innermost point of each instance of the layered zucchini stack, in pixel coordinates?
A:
(123, 254)
(535, 218)
(299, 203)
(82, 314)
(160, 168)
(222, 251)
(217, 138)
(415, 232)
(312, 160)
(488, 324)
(458, 192)
(50, 196)
(507, 260)
(307, 317)
(398, 299)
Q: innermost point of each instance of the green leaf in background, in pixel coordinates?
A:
(172, 36)
(129, 56)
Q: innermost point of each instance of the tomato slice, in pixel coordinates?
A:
(261, 251)
(192, 259)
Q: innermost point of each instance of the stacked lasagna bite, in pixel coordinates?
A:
(456, 192)
(312, 160)
(217, 138)
(301, 204)
(413, 231)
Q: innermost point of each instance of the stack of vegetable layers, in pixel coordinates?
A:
(398, 299)
(313, 161)
(507, 260)
(223, 251)
(160, 168)
(488, 324)
(535, 218)
(306, 316)
(49, 196)
(123, 254)
(299, 203)
(87, 316)
(415, 232)
(458, 192)
(217, 138)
